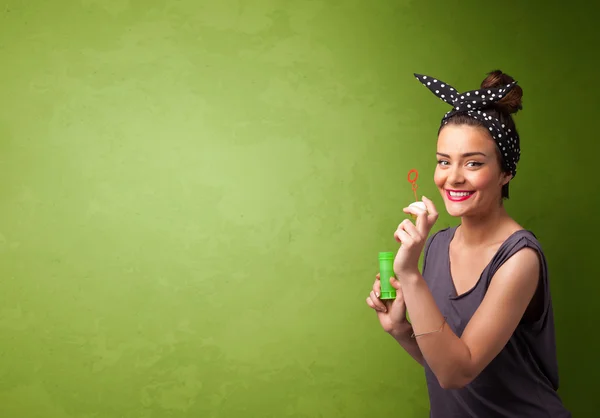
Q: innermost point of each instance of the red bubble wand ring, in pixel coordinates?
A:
(413, 182)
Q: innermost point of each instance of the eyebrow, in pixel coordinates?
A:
(466, 154)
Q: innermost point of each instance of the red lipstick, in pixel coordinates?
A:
(458, 195)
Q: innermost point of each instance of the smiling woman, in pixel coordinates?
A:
(507, 154)
(481, 317)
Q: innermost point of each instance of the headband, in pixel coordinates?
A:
(474, 103)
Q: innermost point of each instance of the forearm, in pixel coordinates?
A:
(445, 353)
(410, 345)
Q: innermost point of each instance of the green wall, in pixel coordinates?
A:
(193, 195)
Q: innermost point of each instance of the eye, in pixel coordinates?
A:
(474, 164)
(442, 162)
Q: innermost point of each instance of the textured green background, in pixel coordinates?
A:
(193, 195)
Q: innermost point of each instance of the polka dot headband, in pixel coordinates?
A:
(474, 104)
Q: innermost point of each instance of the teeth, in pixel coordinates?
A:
(459, 194)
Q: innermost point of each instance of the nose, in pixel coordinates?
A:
(456, 176)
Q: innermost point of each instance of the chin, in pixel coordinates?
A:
(456, 212)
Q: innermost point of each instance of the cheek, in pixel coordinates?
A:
(483, 180)
(439, 178)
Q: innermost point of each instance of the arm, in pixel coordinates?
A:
(392, 316)
(404, 338)
(457, 361)
(409, 345)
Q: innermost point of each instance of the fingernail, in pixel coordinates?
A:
(376, 294)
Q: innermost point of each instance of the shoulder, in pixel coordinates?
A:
(525, 235)
(524, 264)
(519, 264)
(522, 247)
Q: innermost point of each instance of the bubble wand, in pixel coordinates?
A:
(386, 259)
(413, 182)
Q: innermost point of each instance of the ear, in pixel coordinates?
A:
(505, 178)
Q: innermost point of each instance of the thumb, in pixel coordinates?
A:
(399, 295)
(395, 283)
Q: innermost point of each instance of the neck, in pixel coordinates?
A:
(475, 230)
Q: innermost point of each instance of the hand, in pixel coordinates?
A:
(413, 238)
(391, 313)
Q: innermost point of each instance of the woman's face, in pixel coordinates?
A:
(468, 174)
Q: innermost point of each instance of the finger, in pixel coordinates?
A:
(399, 294)
(377, 276)
(414, 210)
(421, 216)
(433, 214)
(377, 288)
(377, 302)
(411, 229)
(401, 227)
(372, 305)
(421, 223)
(389, 303)
(401, 236)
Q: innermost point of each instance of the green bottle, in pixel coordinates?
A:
(386, 270)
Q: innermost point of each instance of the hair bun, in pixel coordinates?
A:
(512, 102)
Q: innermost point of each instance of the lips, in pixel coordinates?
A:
(458, 195)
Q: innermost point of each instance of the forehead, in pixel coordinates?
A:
(459, 139)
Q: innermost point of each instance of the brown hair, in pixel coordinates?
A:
(502, 110)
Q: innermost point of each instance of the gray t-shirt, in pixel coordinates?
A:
(522, 381)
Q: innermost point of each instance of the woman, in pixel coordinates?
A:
(481, 319)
